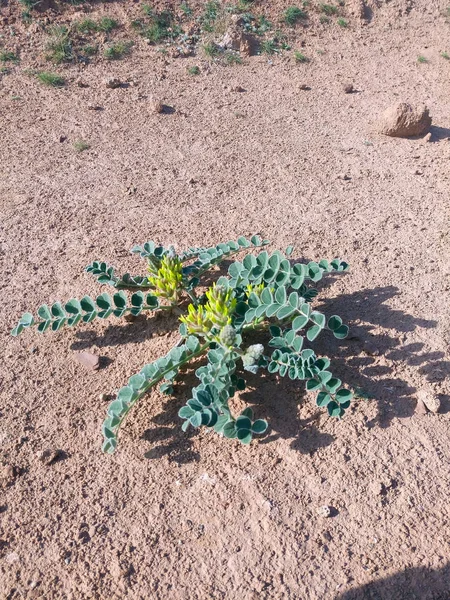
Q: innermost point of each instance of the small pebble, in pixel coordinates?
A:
(89, 360)
(49, 456)
(430, 400)
(112, 83)
(324, 511)
(156, 106)
(348, 88)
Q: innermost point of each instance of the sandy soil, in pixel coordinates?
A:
(193, 516)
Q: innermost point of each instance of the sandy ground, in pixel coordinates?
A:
(193, 516)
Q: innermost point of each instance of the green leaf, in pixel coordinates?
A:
(343, 395)
(26, 320)
(280, 295)
(185, 412)
(104, 301)
(57, 310)
(243, 422)
(334, 410)
(259, 426)
(266, 296)
(120, 299)
(312, 385)
(87, 304)
(323, 399)
(272, 309)
(73, 306)
(289, 250)
(196, 419)
(244, 436)
(229, 430)
(333, 385)
(44, 313)
(313, 332)
(341, 332)
(285, 311)
(318, 318)
(334, 322)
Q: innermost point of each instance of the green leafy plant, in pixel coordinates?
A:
(59, 47)
(7, 56)
(329, 9)
(300, 57)
(342, 22)
(264, 295)
(422, 59)
(117, 50)
(157, 26)
(194, 70)
(293, 14)
(81, 146)
(51, 79)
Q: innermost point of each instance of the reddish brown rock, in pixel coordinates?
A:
(404, 120)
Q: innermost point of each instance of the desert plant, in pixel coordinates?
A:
(342, 22)
(268, 47)
(300, 57)
(81, 146)
(445, 55)
(329, 9)
(7, 56)
(293, 14)
(51, 79)
(422, 59)
(117, 50)
(265, 296)
(194, 70)
(59, 47)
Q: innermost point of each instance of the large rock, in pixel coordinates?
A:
(404, 120)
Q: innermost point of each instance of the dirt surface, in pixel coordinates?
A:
(192, 516)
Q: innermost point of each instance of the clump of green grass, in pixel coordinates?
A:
(89, 26)
(329, 9)
(158, 26)
(7, 56)
(324, 20)
(59, 48)
(300, 57)
(81, 146)
(342, 22)
(211, 50)
(51, 79)
(422, 59)
(88, 50)
(268, 47)
(117, 50)
(445, 55)
(293, 14)
(194, 70)
(232, 58)
(186, 9)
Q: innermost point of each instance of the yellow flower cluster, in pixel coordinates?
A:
(168, 281)
(215, 314)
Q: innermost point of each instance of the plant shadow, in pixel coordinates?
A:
(415, 582)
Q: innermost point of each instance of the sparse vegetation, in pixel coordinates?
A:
(329, 9)
(118, 50)
(7, 56)
(268, 47)
(51, 79)
(211, 50)
(232, 58)
(194, 70)
(157, 26)
(187, 10)
(293, 14)
(59, 48)
(300, 57)
(81, 146)
(89, 26)
(342, 22)
(445, 55)
(422, 59)
(324, 20)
